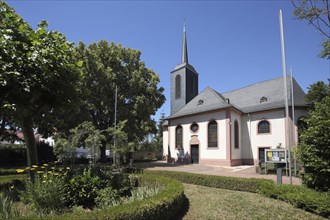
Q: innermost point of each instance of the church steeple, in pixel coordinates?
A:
(184, 79)
(184, 45)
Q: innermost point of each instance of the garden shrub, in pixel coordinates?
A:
(107, 197)
(81, 189)
(7, 210)
(164, 205)
(45, 195)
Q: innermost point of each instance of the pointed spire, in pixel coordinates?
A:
(184, 58)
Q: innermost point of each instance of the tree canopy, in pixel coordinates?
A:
(314, 149)
(107, 66)
(317, 13)
(38, 74)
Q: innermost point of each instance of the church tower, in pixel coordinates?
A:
(184, 80)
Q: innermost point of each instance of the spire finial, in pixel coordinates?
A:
(184, 25)
(184, 44)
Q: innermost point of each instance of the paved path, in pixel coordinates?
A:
(237, 171)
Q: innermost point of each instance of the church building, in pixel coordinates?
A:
(231, 128)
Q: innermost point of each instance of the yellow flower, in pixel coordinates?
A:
(12, 187)
(43, 167)
(68, 168)
(40, 172)
(28, 168)
(35, 166)
(46, 164)
(19, 171)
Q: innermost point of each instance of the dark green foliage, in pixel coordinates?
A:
(38, 76)
(299, 196)
(12, 155)
(81, 189)
(314, 150)
(316, 92)
(15, 155)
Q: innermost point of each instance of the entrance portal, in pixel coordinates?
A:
(194, 149)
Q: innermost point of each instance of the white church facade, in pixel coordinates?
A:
(227, 129)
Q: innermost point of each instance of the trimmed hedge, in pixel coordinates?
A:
(165, 205)
(15, 154)
(7, 171)
(299, 196)
(222, 182)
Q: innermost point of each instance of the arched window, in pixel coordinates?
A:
(236, 134)
(177, 86)
(212, 132)
(178, 137)
(263, 127)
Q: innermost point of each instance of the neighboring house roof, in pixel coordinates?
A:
(257, 97)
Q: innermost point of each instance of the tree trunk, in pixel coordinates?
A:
(31, 147)
(103, 155)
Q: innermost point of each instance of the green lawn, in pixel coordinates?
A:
(211, 203)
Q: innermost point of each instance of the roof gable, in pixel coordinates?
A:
(205, 101)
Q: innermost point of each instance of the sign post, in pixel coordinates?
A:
(276, 156)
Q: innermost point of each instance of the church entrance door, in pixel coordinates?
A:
(194, 149)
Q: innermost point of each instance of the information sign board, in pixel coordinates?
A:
(275, 156)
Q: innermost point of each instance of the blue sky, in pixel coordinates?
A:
(231, 44)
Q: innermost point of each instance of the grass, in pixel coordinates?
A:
(211, 203)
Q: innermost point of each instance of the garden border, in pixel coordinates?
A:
(165, 205)
(299, 196)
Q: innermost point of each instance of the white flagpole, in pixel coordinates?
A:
(293, 127)
(287, 141)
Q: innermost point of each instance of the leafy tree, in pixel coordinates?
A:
(316, 92)
(38, 74)
(107, 66)
(317, 13)
(84, 135)
(314, 150)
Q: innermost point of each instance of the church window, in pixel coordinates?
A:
(212, 134)
(200, 102)
(178, 137)
(177, 86)
(263, 99)
(194, 127)
(236, 134)
(263, 127)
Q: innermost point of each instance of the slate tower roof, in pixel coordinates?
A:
(184, 80)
